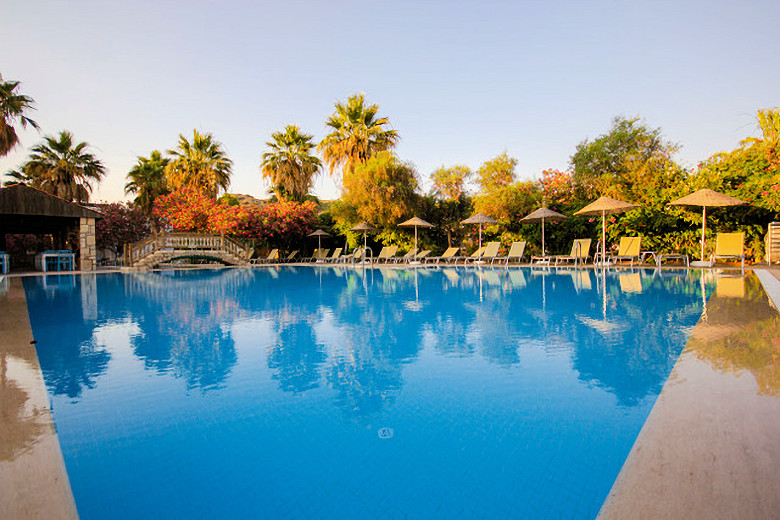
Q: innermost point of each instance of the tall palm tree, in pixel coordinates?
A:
(290, 165)
(12, 108)
(201, 164)
(58, 167)
(357, 134)
(147, 180)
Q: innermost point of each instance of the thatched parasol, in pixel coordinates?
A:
(706, 198)
(479, 218)
(540, 215)
(416, 222)
(319, 234)
(365, 227)
(605, 206)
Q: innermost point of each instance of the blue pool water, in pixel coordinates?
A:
(335, 393)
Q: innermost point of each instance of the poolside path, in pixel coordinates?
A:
(709, 448)
(33, 480)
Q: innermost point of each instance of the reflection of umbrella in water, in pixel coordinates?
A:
(366, 228)
(416, 222)
(479, 218)
(605, 206)
(604, 326)
(540, 215)
(319, 234)
(706, 198)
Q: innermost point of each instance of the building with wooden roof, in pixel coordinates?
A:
(26, 210)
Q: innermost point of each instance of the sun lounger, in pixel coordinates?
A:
(273, 256)
(335, 256)
(291, 256)
(516, 252)
(319, 255)
(729, 245)
(476, 255)
(421, 256)
(629, 249)
(580, 252)
(490, 252)
(407, 257)
(386, 254)
(447, 256)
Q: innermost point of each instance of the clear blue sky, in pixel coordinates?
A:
(460, 81)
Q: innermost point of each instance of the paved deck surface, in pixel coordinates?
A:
(711, 445)
(33, 480)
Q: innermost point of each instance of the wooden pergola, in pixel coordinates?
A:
(26, 210)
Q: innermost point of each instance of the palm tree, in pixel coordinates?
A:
(58, 167)
(290, 165)
(201, 165)
(12, 108)
(147, 180)
(356, 136)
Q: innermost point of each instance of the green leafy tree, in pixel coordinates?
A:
(449, 183)
(382, 191)
(147, 181)
(500, 196)
(60, 168)
(630, 162)
(290, 165)
(357, 133)
(750, 172)
(13, 107)
(201, 164)
(496, 173)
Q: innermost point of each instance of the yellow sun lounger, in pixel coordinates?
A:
(629, 249)
(580, 252)
(729, 245)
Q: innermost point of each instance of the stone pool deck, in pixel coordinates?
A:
(711, 445)
(709, 448)
(33, 480)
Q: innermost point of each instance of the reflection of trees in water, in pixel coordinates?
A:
(631, 349)
(377, 335)
(295, 358)
(182, 317)
(742, 334)
(72, 365)
(629, 352)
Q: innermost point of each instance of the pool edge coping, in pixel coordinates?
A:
(34, 483)
(658, 478)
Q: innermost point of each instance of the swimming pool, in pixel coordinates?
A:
(316, 392)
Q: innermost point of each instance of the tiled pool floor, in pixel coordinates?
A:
(707, 450)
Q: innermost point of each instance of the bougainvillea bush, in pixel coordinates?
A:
(121, 224)
(278, 224)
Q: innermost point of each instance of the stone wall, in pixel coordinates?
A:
(88, 257)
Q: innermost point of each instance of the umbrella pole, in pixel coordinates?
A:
(542, 236)
(703, 229)
(603, 238)
(415, 244)
(480, 235)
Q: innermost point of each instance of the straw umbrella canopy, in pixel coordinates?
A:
(605, 206)
(706, 198)
(416, 222)
(479, 218)
(319, 234)
(540, 215)
(366, 228)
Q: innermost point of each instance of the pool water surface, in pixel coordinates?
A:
(318, 392)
